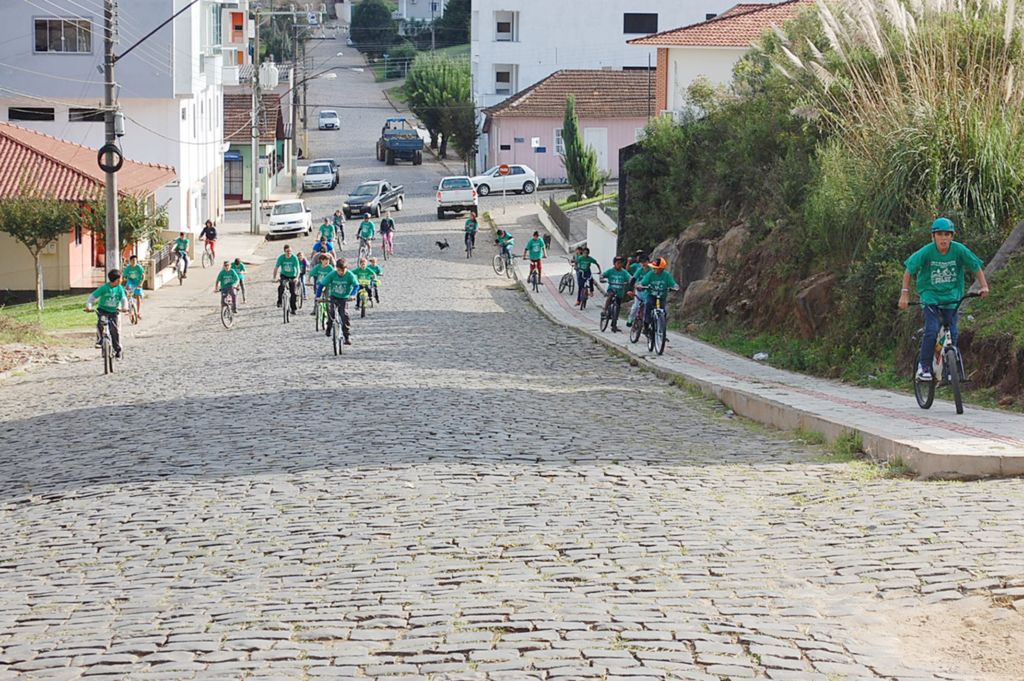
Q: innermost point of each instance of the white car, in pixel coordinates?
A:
(455, 195)
(329, 120)
(290, 217)
(318, 176)
(520, 179)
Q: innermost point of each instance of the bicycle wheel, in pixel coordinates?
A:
(660, 333)
(384, 250)
(108, 355)
(133, 311)
(584, 292)
(649, 332)
(241, 287)
(207, 259)
(637, 328)
(563, 283)
(499, 264)
(510, 267)
(469, 247)
(924, 391)
(285, 308)
(613, 313)
(952, 363)
(572, 284)
(334, 336)
(605, 318)
(362, 302)
(227, 317)
(301, 297)
(181, 275)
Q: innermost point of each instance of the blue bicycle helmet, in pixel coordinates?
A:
(943, 225)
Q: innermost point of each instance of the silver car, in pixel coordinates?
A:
(329, 120)
(319, 176)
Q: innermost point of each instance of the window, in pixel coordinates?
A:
(639, 23)
(517, 170)
(505, 27)
(503, 83)
(237, 27)
(28, 113)
(63, 35)
(559, 142)
(505, 147)
(86, 116)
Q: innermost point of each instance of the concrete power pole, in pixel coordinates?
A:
(113, 247)
(254, 203)
(295, 107)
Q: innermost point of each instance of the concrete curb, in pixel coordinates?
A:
(877, 444)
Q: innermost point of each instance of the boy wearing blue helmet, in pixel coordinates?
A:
(939, 268)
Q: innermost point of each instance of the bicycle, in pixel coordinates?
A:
(364, 298)
(502, 263)
(568, 280)
(584, 293)
(637, 329)
(207, 254)
(106, 344)
(610, 313)
(179, 267)
(322, 314)
(302, 291)
(365, 247)
(657, 330)
(470, 244)
(946, 356)
(133, 305)
(534, 277)
(227, 315)
(387, 244)
(336, 331)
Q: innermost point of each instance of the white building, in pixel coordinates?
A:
(168, 87)
(423, 11)
(516, 43)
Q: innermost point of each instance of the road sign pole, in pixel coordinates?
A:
(503, 171)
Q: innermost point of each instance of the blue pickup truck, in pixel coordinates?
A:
(399, 142)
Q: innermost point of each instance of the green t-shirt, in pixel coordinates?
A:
(583, 263)
(340, 285)
(364, 274)
(367, 229)
(471, 225)
(134, 274)
(108, 298)
(657, 284)
(181, 245)
(327, 230)
(635, 269)
(320, 272)
(940, 278)
(535, 248)
(617, 280)
(240, 268)
(507, 240)
(289, 265)
(376, 270)
(227, 279)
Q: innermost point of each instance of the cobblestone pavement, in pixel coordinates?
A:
(469, 493)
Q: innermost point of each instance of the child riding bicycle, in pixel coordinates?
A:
(535, 250)
(939, 268)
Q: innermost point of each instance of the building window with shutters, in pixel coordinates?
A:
(68, 36)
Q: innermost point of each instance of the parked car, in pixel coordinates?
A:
(455, 194)
(290, 217)
(319, 176)
(329, 120)
(334, 168)
(373, 197)
(521, 179)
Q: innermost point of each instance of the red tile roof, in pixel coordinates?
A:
(67, 170)
(238, 114)
(737, 27)
(599, 94)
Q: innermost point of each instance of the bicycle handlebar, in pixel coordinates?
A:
(958, 302)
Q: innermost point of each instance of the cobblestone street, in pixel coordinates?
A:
(469, 492)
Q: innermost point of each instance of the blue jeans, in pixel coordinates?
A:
(934, 317)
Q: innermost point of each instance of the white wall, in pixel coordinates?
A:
(602, 242)
(686, 64)
(569, 34)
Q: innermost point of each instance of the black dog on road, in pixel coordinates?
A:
(442, 244)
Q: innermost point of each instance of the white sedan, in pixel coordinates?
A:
(520, 179)
(290, 217)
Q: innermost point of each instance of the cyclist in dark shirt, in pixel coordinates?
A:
(387, 231)
(210, 234)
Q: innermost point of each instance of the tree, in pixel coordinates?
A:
(373, 29)
(135, 221)
(37, 219)
(440, 94)
(453, 27)
(580, 161)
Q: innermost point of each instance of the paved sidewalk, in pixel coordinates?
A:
(178, 303)
(935, 443)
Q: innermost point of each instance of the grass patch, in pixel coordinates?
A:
(455, 51)
(13, 331)
(398, 93)
(810, 437)
(566, 205)
(1002, 313)
(60, 314)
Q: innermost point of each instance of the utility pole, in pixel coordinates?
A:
(295, 108)
(432, 23)
(254, 201)
(113, 247)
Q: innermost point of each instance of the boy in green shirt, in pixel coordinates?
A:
(109, 299)
(378, 273)
(134, 276)
(318, 273)
(181, 250)
(290, 268)
(470, 230)
(583, 274)
(536, 250)
(366, 232)
(239, 267)
(365, 276)
(327, 229)
(340, 286)
(658, 282)
(227, 284)
(505, 242)
(940, 268)
(617, 278)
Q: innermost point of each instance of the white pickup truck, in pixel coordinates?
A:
(456, 195)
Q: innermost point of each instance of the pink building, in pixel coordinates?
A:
(612, 107)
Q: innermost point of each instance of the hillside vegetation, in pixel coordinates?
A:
(840, 139)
